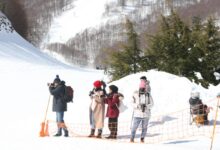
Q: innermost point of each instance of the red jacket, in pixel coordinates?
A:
(113, 103)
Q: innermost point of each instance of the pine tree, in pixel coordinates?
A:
(210, 62)
(170, 45)
(128, 59)
(193, 52)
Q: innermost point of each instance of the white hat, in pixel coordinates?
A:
(195, 95)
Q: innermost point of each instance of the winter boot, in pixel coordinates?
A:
(142, 140)
(92, 134)
(99, 134)
(66, 133)
(132, 140)
(59, 132)
(109, 137)
(114, 135)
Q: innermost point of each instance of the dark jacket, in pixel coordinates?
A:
(113, 102)
(58, 103)
(196, 106)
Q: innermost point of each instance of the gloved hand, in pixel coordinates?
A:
(103, 84)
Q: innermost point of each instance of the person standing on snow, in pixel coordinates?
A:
(112, 101)
(57, 89)
(199, 109)
(142, 103)
(97, 109)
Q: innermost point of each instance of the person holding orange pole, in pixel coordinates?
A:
(57, 89)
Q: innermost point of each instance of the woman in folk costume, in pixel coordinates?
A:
(142, 103)
(97, 109)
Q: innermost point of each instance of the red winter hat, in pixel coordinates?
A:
(97, 84)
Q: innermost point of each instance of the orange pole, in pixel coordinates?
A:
(213, 133)
(46, 132)
(42, 131)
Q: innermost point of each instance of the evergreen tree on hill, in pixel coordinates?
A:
(210, 61)
(170, 45)
(128, 59)
(187, 51)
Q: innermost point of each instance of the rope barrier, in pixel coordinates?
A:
(161, 128)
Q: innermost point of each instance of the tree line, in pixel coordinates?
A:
(190, 50)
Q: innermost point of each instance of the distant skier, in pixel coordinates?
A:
(57, 89)
(97, 108)
(142, 103)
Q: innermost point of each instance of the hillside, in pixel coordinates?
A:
(91, 33)
(78, 30)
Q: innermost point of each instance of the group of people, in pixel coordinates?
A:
(142, 103)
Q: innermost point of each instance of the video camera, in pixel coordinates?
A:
(143, 106)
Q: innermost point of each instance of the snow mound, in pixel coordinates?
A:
(167, 90)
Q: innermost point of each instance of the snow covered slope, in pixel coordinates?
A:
(14, 47)
(90, 14)
(83, 15)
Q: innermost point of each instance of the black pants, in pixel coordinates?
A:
(113, 126)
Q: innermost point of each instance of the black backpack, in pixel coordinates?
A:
(68, 94)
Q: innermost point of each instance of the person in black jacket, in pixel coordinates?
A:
(198, 108)
(57, 89)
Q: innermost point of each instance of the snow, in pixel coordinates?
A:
(25, 72)
(84, 14)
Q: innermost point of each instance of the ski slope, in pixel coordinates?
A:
(25, 72)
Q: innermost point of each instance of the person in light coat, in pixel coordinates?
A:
(97, 109)
(142, 103)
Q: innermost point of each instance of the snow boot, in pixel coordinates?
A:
(99, 134)
(66, 132)
(142, 140)
(92, 134)
(59, 132)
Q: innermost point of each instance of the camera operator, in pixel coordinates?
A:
(57, 89)
(142, 103)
